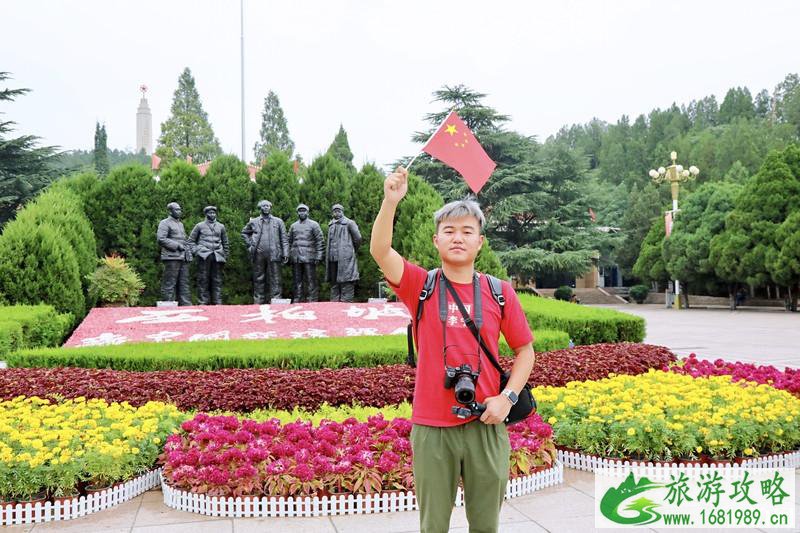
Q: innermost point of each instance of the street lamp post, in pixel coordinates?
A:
(674, 174)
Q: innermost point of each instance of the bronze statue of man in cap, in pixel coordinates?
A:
(176, 255)
(265, 237)
(341, 259)
(209, 242)
(306, 248)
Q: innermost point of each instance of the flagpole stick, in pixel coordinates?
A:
(408, 166)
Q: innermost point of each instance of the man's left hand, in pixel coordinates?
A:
(497, 409)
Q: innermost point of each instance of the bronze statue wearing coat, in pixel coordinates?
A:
(176, 255)
(209, 241)
(266, 241)
(306, 248)
(341, 268)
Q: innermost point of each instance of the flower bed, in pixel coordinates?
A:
(226, 456)
(788, 380)
(64, 447)
(248, 389)
(666, 415)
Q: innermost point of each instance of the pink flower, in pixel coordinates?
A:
(276, 467)
(303, 472)
(245, 471)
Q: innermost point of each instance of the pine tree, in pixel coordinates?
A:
(187, 132)
(274, 130)
(650, 264)
(327, 183)
(365, 201)
(340, 149)
(100, 155)
(25, 168)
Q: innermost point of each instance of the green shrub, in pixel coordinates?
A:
(29, 326)
(639, 293)
(63, 209)
(563, 293)
(548, 340)
(115, 282)
(585, 325)
(37, 265)
(337, 352)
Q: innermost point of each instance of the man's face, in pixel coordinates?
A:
(265, 209)
(175, 211)
(302, 214)
(458, 240)
(211, 215)
(338, 213)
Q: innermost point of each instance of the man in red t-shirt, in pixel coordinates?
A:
(447, 448)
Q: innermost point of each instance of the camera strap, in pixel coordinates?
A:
(444, 286)
(474, 326)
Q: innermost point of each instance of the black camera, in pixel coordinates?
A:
(463, 379)
(470, 409)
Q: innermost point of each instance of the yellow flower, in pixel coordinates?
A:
(631, 431)
(552, 420)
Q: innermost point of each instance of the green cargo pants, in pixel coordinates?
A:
(475, 452)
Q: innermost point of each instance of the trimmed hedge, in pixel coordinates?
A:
(585, 325)
(337, 352)
(31, 326)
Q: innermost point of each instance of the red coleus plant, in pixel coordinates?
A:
(248, 389)
(226, 456)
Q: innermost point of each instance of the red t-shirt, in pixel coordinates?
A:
(432, 402)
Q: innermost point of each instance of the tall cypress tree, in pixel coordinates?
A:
(277, 182)
(274, 130)
(100, 155)
(340, 149)
(187, 132)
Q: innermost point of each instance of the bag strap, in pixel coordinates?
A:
(413, 327)
(496, 287)
(471, 325)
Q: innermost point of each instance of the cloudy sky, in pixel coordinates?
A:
(372, 65)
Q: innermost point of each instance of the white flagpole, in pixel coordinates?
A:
(408, 166)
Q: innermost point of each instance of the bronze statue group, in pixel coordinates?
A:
(269, 246)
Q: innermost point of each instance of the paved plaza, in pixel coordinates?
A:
(754, 335)
(759, 336)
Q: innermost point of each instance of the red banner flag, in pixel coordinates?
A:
(455, 145)
(668, 223)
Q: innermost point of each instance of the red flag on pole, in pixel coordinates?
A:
(592, 215)
(668, 223)
(455, 145)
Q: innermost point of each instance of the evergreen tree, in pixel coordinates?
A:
(274, 133)
(327, 183)
(702, 216)
(340, 149)
(125, 208)
(650, 264)
(784, 261)
(749, 248)
(277, 182)
(365, 201)
(738, 103)
(643, 207)
(37, 266)
(100, 154)
(232, 193)
(25, 168)
(187, 132)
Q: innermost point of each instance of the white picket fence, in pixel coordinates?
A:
(384, 502)
(79, 506)
(582, 461)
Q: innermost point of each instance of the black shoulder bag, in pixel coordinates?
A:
(526, 404)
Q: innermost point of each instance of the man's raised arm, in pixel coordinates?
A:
(390, 262)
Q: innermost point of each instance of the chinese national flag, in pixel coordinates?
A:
(454, 145)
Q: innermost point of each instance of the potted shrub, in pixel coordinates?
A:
(639, 293)
(563, 293)
(115, 283)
